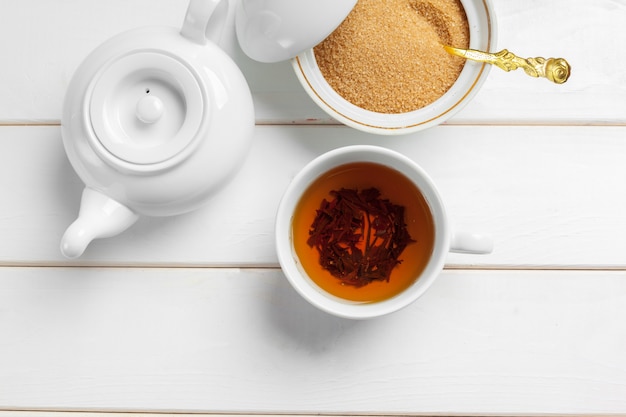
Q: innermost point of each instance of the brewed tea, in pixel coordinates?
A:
(412, 242)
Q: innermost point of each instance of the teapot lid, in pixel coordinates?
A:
(278, 30)
(146, 109)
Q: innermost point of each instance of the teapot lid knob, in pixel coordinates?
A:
(149, 108)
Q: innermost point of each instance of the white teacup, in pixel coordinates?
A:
(444, 238)
(482, 31)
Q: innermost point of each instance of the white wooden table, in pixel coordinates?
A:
(192, 314)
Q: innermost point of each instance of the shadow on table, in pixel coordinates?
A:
(305, 327)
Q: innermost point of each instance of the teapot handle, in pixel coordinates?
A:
(199, 13)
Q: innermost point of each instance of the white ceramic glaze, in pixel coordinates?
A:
(155, 121)
(482, 26)
(445, 239)
(278, 30)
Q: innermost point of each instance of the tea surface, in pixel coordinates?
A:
(397, 189)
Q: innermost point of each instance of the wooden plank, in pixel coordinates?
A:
(547, 195)
(241, 340)
(43, 42)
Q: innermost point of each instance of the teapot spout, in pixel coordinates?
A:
(100, 216)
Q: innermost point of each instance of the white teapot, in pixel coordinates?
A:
(155, 121)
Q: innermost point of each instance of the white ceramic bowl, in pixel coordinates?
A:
(482, 26)
(444, 241)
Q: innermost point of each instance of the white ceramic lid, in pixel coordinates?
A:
(146, 108)
(278, 30)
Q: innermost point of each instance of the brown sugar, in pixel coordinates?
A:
(387, 55)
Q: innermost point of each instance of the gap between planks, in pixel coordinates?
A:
(327, 123)
(498, 268)
(96, 413)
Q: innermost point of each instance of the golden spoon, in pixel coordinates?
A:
(556, 70)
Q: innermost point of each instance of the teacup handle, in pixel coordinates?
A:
(199, 13)
(464, 242)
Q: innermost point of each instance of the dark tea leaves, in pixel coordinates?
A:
(359, 236)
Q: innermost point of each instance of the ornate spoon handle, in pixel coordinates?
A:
(556, 70)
